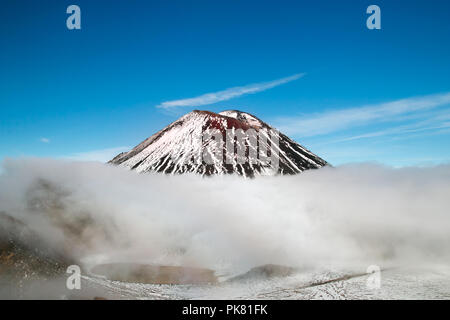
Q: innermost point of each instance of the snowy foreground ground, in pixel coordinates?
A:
(400, 283)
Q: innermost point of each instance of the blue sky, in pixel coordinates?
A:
(311, 68)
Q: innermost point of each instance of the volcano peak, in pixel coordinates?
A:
(229, 142)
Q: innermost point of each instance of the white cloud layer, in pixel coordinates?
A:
(210, 98)
(333, 216)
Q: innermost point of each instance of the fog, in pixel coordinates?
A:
(355, 214)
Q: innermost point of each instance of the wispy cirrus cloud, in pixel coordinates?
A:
(343, 119)
(44, 140)
(227, 94)
(434, 124)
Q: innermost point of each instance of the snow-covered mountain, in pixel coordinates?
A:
(210, 143)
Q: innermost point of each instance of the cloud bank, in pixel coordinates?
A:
(210, 98)
(333, 216)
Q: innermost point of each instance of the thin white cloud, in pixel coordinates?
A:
(44, 140)
(332, 121)
(227, 94)
(401, 130)
(103, 155)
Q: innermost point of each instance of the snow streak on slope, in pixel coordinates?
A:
(181, 148)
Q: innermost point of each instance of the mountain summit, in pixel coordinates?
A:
(209, 143)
